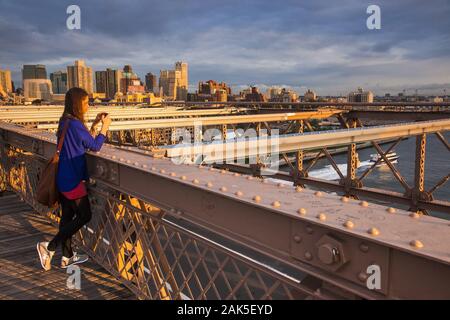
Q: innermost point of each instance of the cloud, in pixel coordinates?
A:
(317, 44)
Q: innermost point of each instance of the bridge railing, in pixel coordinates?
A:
(167, 237)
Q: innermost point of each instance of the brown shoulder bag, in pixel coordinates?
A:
(47, 192)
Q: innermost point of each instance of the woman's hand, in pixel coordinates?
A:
(106, 121)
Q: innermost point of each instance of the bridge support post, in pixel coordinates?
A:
(418, 192)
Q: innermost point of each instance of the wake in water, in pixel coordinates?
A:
(328, 172)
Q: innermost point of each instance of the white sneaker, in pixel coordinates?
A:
(75, 259)
(45, 255)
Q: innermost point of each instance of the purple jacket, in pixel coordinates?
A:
(72, 168)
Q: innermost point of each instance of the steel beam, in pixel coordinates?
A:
(413, 254)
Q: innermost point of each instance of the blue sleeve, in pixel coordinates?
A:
(90, 143)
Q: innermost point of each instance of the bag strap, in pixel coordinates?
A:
(63, 135)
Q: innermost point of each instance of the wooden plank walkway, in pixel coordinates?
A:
(21, 275)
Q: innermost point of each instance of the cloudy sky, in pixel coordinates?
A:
(324, 45)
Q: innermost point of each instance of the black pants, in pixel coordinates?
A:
(75, 214)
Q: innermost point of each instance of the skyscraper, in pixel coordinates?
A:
(80, 76)
(168, 81)
(108, 82)
(34, 71)
(5, 81)
(37, 89)
(182, 85)
(129, 81)
(59, 82)
(151, 82)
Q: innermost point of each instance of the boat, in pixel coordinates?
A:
(391, 156)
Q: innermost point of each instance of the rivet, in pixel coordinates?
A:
(212, 169)
(318, 193)
(249, 178)
(416, 244)
(209, 184)
(297, 238)
(162, 171)
(301, 211)
(122, 159)
(223, 171)
(183, 177)
(349, 224)
(309, 230)
(128, 161)
(153, 168)
(136, 163)
(280, 185)
(239, 193)
(391, 210)
(146, 152)
(373, 231)
(173, 174)
(144, 166)
(364, 247)
(195, 181)
(276, 204)
(414, 215)
(364, 204)
(237, 174)
(322, 217)
(257, 198)
(113, 157)
(362, 276)
(223, 189)
(345, 199)
(299, 189)
(308, 255)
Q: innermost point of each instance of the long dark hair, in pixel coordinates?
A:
(72, 103)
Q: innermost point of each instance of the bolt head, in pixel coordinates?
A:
(257, 198)
(195, 181)
(416, 244)
(209, 184)
(239, 193)
(223, 189)
(297, 238)
(391, 210)
(276, 204)
(349, 224)
(318, 194)
(373, 231)
(301, 211)
(308, 255)
(364, 204)
(322, 216)
(345, 199)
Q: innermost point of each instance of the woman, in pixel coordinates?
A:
(72, 176)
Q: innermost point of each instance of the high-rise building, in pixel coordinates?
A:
(6, 85)
(59, 82)
(108, 82)
(174, 83)
(151, 82)
(34, 71)
(130, 82)
(183, 83)
(360, 96)
(37, 89)
(168, 81)
(310, 96)
(80, 76)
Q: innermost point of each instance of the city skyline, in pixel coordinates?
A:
(313, 45)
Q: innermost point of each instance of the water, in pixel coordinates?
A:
(437, 165)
